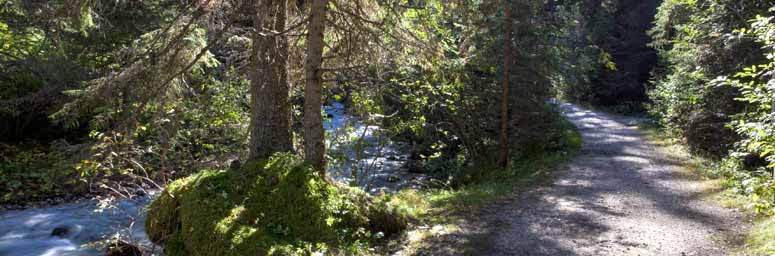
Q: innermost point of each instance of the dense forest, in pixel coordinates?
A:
(370, 127)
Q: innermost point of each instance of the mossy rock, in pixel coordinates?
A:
(277, 206)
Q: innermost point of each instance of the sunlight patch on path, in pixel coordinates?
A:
(619, 196)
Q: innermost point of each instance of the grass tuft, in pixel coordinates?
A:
(761, 239)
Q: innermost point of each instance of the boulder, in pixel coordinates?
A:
(61, 231)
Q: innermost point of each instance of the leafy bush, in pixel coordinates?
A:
(696, 45)
(756, 125)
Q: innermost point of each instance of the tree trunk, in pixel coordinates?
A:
(270, 119)
(503, 160)
(314, 135)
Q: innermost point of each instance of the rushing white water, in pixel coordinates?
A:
(71, 229)
(77, 228)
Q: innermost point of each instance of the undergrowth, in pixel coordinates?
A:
(34, 172)
(491, 183)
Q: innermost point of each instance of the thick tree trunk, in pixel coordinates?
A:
(503, 160)
(314, 135)
(270, 120)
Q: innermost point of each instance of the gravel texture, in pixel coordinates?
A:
(619, 196)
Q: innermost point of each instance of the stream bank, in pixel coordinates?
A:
(81, 228)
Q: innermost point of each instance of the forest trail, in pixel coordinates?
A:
(619, 196)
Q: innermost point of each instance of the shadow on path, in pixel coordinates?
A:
(619, 196)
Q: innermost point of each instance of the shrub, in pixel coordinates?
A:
(750, 166)
(696, 44)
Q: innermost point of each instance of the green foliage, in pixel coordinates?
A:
(278, 206)
(47, 48)
(442, 95)
(172, 136)
(27, 172)
(155, 100)
(750, 166)
(125, 89)
(530, 161)
(109, 86)
(696, 44)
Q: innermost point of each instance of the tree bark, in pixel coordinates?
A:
(270, 120)
(503, 160)
(314, 135)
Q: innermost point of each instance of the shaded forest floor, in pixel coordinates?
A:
(621, 195)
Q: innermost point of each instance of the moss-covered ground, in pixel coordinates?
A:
(273, 207)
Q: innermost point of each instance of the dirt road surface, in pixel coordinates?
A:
(620, 195)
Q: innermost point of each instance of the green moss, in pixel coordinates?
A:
(279, 206)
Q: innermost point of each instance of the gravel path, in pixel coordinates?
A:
(619, 196)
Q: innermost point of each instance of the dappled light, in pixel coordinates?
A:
(387, 127)
(607, 201)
